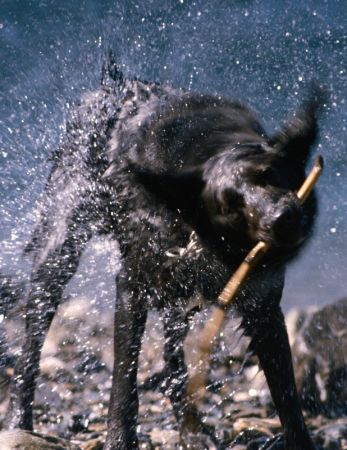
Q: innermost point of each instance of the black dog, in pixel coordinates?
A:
(148, 164)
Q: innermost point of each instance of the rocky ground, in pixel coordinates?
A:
(74, 387)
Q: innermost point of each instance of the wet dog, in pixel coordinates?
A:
(147, 164)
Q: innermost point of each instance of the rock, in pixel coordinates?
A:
(237, 403)
(94, 444)
(267, 427)
(26, 440)
(332, 435)
(165, 438)
(51, 365)
(248, 436)
(296, 320)
(89, 364)
(72, 316)
(320, 359)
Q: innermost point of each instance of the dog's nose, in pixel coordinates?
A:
(286, 224)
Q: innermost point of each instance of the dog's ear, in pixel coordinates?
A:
(298, 135)
(179, 190)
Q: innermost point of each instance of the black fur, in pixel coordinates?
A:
(147, 164)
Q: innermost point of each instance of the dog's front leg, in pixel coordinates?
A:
(130, 320)
(175, 330)
(270, 343)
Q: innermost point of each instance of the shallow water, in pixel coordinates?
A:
(264, 52)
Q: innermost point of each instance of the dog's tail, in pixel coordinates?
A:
(111, 74)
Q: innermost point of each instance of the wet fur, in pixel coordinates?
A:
(146, 164)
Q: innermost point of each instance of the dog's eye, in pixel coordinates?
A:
(225, 210)
(266, 177)
(233, 199)
(230, 213)
(231, 204)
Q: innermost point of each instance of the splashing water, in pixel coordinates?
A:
(264, 52)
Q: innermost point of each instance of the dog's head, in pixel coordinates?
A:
(247, 193)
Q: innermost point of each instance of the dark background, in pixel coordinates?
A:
(264, 52)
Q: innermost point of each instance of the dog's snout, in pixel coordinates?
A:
(282, 224)
(286, 224)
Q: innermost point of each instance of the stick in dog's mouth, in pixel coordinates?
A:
(196, 385)
(228, 294)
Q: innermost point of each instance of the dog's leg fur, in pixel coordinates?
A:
(175, 330)
(270, 340)
(264, 323)
(129, 324)
(48, 280)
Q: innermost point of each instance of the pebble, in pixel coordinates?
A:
(25, 440)
(74, 386)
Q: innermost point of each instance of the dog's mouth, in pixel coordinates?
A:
(281, 222)
(284, 243)
(284, 238)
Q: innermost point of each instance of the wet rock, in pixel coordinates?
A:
(89, 363)
(249, 435)
(67, 325)
(51, 366)
(331, 434)
(320, 358)
(266, 427)
(73, 403)
(252, 432)
(25, 440)
(164, 438)
(94, 444)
